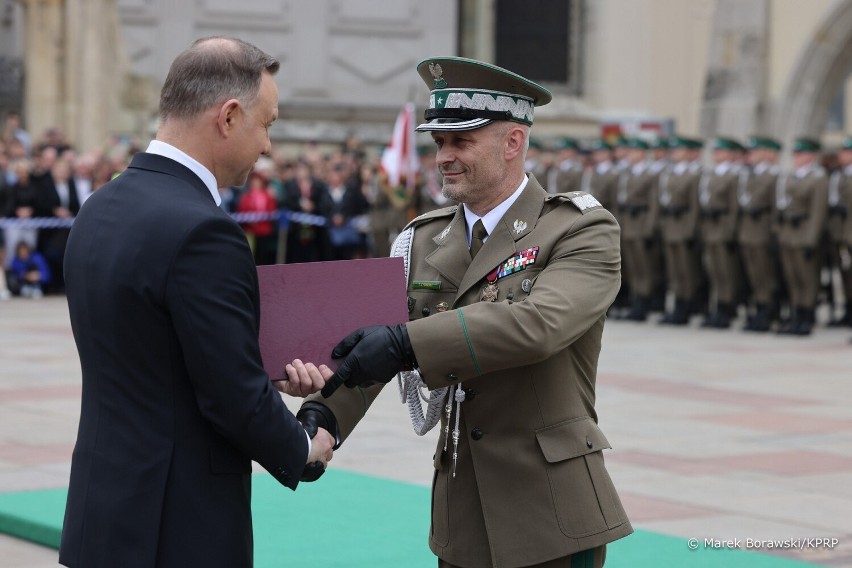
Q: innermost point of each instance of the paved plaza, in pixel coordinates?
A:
(715, 434)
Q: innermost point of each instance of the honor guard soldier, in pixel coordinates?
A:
(566, 174)
(508, 295)
(637, 213)
(600, 179)
(538, 160)
(839, 190)
(756, 233)
(802, 200)
(717, 195)
(679, 215)
(659, 155)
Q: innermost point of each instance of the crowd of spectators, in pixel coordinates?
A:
(352, 213)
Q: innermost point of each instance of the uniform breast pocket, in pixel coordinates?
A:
(515, 287)
(423, 303)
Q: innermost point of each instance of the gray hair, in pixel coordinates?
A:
(213, 70)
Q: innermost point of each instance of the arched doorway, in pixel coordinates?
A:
(822, 69)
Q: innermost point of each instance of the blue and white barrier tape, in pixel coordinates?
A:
(361, 223)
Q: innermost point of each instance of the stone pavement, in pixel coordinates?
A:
(716, 434)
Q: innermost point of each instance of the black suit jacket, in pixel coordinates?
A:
(163, 297)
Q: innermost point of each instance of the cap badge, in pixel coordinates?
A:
(520, 226)
(437, 75)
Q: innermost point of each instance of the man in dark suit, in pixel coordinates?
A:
(163, 296)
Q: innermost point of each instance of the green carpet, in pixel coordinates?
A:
(351, 521)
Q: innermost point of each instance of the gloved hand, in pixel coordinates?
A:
(373, 355)
(313, 416)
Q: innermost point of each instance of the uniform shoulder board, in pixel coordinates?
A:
(583, 201)
(436, 214)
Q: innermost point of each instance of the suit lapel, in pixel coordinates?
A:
(519, 220)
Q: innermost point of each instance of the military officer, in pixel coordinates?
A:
(600, 179)
(679, 213)
(756, 230)
(802, 199)
(508, 296)
(839, 186)
(717, 196)
(567, 172)
(637, 213)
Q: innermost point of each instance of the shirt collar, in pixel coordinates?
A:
(166, 150)
(490, 219)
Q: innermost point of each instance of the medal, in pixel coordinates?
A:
(489, 293)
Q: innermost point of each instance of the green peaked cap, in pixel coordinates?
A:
(763, 142)
(468, 94)
(728, 144)
(803, 144)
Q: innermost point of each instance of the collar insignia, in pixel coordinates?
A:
(520, 226)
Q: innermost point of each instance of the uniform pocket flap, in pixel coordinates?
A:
(571, 439)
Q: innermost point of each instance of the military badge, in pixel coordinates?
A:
(437, 75)
(442, 307)
(444, 233)
(520, 226)
(489, 293)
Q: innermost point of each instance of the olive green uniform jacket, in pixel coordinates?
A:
(530, 482)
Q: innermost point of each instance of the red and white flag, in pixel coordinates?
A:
(400, 156)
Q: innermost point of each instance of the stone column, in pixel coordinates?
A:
(735, 88)
(94, 73)
(43, 62)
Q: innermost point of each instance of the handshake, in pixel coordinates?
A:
(371, 355)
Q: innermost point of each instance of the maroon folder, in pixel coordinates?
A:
(306, 309)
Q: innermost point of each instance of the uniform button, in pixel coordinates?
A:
(452, 377)
(589, 443)
(476, 434)
(469, 394)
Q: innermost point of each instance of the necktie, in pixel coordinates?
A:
(477, 237)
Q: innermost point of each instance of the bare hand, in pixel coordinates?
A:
(303, 378)
(321, 448)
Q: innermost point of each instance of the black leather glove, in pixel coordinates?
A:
(373, 355)
(313, 416)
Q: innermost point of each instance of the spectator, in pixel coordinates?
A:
(84, 169)
(261, 235)
(57, 198)
(12, 131)
(304, 193)
(30, 270)
(347, 203)
(21, 203)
